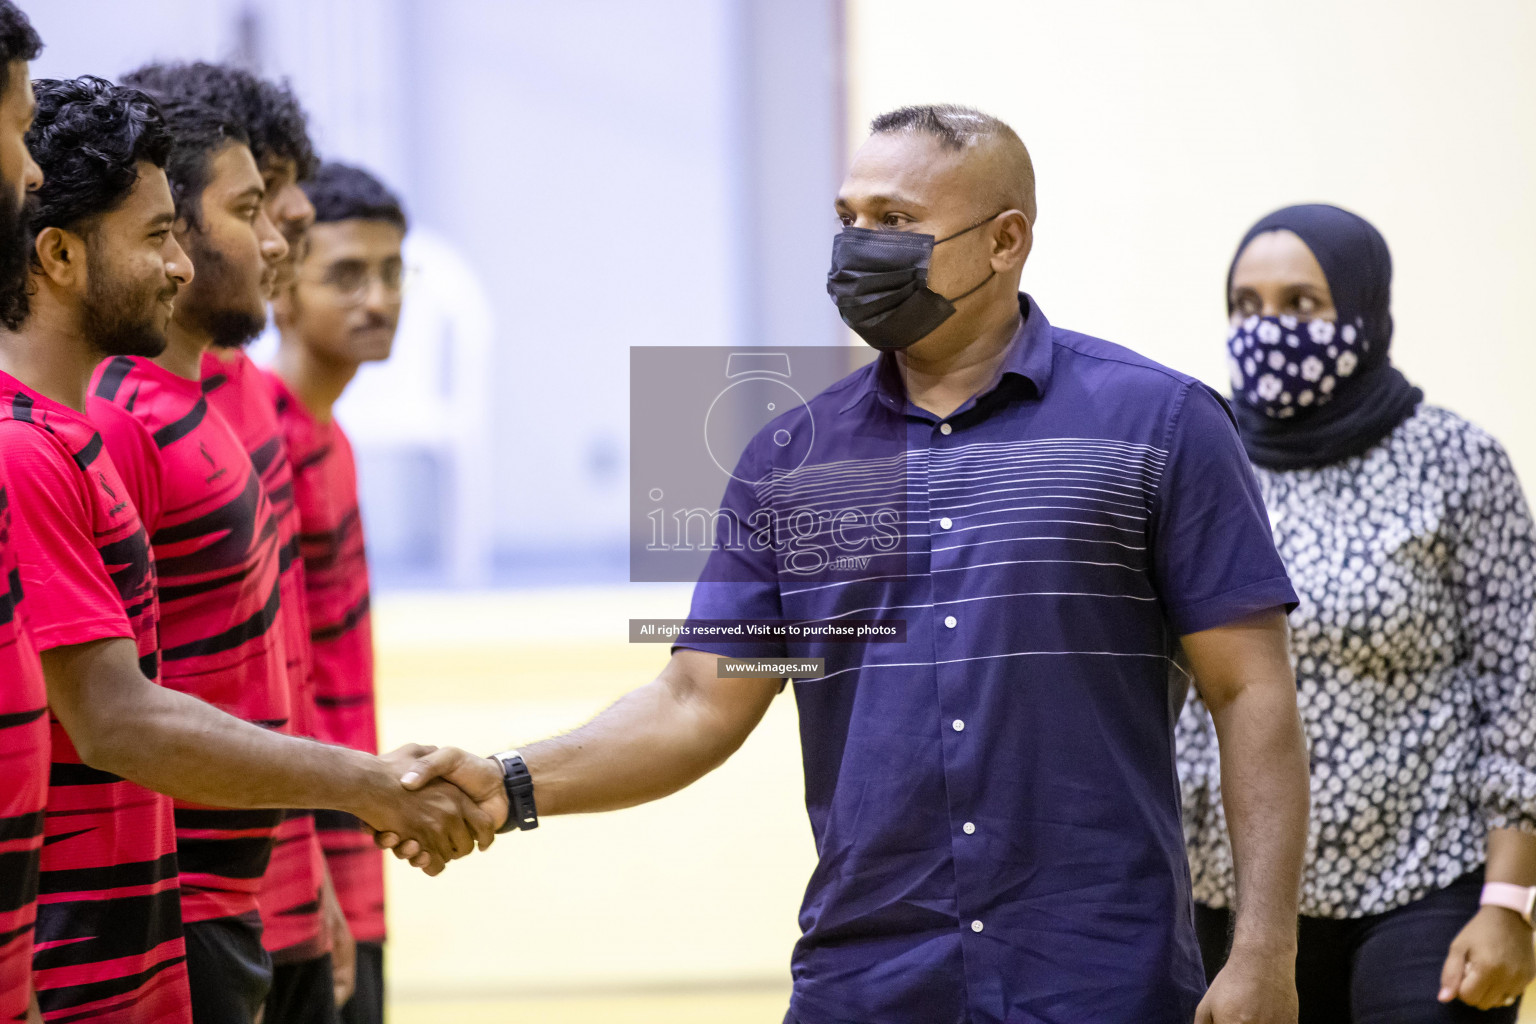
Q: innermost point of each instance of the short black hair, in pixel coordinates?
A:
(343, 192)
(198, 132)
(958, 128)
(89, 137)
(18, 41)
(274, 122)
(950, 123)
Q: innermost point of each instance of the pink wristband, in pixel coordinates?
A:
(1518, 898)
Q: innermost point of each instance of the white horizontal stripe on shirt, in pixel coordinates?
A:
(992, 657)
(963, 568)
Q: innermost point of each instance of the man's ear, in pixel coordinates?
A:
(62, 255)
(1014, 238)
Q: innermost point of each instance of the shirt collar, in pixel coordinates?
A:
(1028, 358)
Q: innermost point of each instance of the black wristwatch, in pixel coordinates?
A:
(522, 815)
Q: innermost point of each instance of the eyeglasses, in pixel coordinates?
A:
(351, 279)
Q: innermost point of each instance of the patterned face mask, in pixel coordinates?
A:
(1285, 366)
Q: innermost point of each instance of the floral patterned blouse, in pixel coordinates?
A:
(1413, 650)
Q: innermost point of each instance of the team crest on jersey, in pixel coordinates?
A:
(218, 470)
(117, 505)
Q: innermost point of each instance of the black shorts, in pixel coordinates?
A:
(367, 1003)
(228, 971)
(303, 992)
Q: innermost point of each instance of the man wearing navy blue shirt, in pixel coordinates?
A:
(994, 798)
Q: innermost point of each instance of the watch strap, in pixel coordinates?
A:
(522, 813)
(1518, 898)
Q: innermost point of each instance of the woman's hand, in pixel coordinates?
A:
(1490, 962)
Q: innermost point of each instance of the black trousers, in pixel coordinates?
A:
(303, 992)
(367, 1003)
(228, 970)
(1381, 969)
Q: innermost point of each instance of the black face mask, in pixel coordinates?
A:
(879, 280)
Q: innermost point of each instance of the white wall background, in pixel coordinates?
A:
(1160, 131)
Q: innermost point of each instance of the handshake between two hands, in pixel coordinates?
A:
(436, 804)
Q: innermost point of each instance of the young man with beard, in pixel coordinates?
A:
(105, 268)
(110, 931)
(305, 930)
(214, 538)
(278, 130)
(340, 311)
(24, 746)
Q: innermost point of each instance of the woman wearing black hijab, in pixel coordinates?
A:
(1409, 541)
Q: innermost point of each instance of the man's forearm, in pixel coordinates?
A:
(655, 741)
(1265, 792)
(178, 745)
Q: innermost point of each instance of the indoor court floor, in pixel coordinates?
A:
(722, 1007)
(679, 912)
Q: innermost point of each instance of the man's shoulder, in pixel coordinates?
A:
(234, 378)
(116, 377)
(46, 463)
(1128, 389)
(244, 395)
(28, 443)
(294, 420)
(127, 388)
(35, 431)
(114, 421)
(1086, 354)
(823, 404)
(129, 440)
(787, 438)
(837, 394)
(227, 367)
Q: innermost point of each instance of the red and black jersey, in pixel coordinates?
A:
(341, 630)
(108, 943)
(290, 892)
(24, 748)
(238, 389)
(215, 544)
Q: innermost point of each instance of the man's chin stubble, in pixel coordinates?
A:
(146, 344)
(232, 330)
